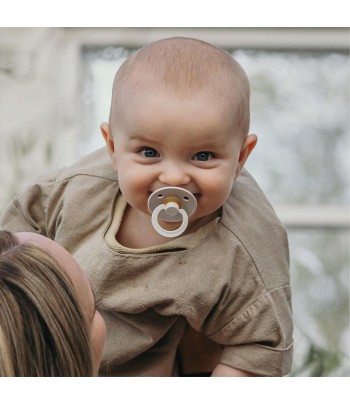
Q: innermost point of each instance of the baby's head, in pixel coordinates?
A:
(185, 67)
(179, 117)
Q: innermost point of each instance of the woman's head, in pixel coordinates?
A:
(48, 322)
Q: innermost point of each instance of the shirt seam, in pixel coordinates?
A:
(267, 294)
(249, 254)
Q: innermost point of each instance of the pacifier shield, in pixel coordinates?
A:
(185, 199)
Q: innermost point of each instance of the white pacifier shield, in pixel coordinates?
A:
(171, 204)
(187, 200)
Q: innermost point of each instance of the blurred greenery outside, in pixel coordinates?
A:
(300, 111)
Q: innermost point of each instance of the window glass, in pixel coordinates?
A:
(300, 111)
(99, 68)
(320, 285)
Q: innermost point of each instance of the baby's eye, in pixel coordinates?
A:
(149, 152)
(203, 156)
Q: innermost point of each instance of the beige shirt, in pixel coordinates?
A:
(230, 283)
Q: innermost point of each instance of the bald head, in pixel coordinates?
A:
(185, 67)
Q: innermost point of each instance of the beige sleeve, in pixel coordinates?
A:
(27, 212)
(259, 339)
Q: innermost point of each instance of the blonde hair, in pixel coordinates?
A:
(43, 331)
(186, 66)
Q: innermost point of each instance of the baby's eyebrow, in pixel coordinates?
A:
(210, 145)
(139, 138)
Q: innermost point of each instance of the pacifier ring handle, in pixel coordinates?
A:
(165, 232)
(171, 204)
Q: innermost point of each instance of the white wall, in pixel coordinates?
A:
(38, 104)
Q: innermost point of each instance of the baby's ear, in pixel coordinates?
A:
(246, 149)
(107, 135)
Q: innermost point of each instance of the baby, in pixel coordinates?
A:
(179, 118)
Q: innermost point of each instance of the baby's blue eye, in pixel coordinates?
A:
(203, 156)
(149, 153)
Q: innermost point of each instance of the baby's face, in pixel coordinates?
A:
(161, 139)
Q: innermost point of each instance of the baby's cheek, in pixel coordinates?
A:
(218, 185)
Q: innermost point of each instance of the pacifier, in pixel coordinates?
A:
(171, 204)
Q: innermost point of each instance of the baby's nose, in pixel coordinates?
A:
(174, 175)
